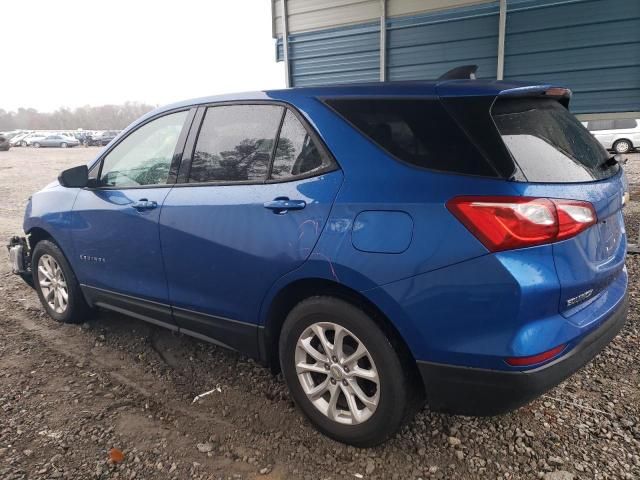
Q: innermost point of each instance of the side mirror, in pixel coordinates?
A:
(76, 177)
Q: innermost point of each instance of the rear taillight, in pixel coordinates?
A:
(504, 223)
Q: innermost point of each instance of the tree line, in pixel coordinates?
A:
(105, 117)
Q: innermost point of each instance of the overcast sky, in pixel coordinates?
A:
(83, 52)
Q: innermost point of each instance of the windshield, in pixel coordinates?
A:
(548, 143)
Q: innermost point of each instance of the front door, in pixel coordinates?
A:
(248, 214)
(115, 225)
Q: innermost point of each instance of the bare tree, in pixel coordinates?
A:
(105, 117)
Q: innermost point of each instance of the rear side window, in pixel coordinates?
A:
(618, 124)
(548, 143)
(625, 123)
(595, 125)
(416, 131)
(235, 143)
(297, 154)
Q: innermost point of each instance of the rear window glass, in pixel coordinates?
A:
(416, 131)
(548, 143)
(235, 143)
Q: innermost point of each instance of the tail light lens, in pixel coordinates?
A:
(505, 223)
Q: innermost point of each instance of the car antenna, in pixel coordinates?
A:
(463, 72)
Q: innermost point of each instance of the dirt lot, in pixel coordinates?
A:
(68, 394)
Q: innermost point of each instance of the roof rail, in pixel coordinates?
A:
(463, 72)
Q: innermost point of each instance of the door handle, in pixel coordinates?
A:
(144, 204)
(282, 205)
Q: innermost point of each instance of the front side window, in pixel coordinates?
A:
(235, 143)
(297, 154)
(144, 157)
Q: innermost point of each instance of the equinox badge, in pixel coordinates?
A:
(580, 298)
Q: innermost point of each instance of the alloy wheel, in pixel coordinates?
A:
(622, 146)
(337, 373)
(53, 284)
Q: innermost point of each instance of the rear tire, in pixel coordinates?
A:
(36, 145)
(56, 284)
(356, 398)
(622, 146)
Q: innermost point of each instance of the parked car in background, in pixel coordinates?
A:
(4, 144)
(103, 138)
(10, 134)
(32, 137)
(55, 141)
(17, 139)
(619, 135)
(455, 241)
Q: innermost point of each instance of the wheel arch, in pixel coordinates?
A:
(295, 292)
(37, 234)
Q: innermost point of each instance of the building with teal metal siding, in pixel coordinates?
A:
(591, 46)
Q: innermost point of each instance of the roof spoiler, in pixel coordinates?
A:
(463, 72)
(561, 94)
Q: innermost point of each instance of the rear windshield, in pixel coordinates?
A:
(548, 143)
(415, 131)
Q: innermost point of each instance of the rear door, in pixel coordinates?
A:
(255, 190)
(558, 158)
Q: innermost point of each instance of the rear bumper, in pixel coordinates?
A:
(481, 392)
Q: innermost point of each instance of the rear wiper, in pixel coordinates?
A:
(611, 161)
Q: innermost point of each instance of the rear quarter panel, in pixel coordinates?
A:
(374, 181)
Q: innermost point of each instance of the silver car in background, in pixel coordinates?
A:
(55, 140)
(620, 135)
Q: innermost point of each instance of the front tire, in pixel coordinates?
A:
(63, 145)
(343, 372)
(36, 145)
(56, 284)
(622, 146)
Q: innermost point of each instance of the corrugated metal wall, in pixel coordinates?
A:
(593, 46)
(339, 55)
(427, 45)
(310, 15)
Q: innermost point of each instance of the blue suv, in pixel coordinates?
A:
(457, 242)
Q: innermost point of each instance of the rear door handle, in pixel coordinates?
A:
(282, 205)
(144, 204)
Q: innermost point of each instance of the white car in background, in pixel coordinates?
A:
(32, 137)
(16, 139)
(620, 135)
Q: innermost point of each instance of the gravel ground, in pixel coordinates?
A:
(69, 394)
